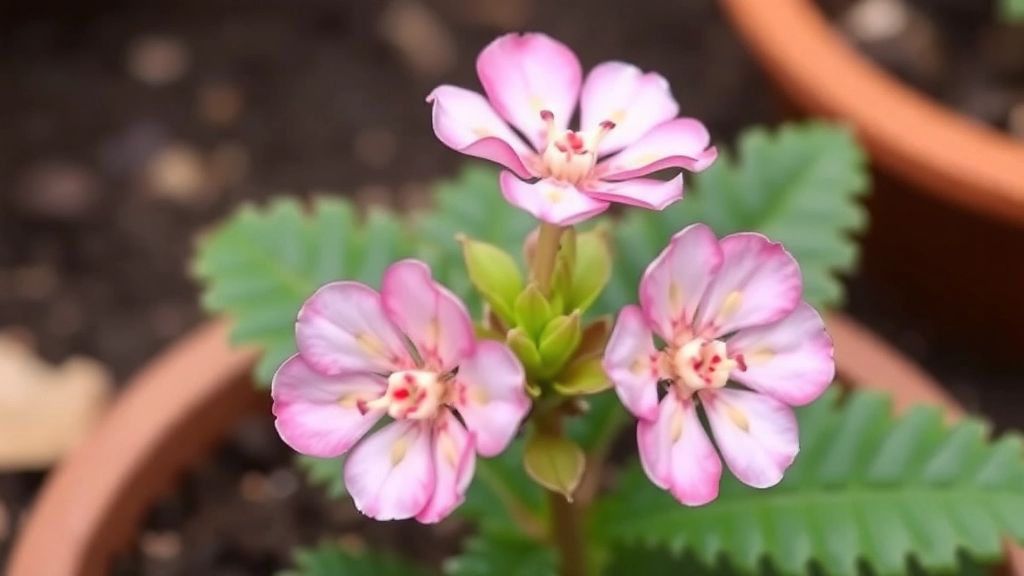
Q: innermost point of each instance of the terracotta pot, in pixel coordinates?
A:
(947, 210)
(183, 404)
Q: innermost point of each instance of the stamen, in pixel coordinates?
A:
(549, 120)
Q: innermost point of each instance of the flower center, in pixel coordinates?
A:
(411, 395)
(570, 156)
(701, 363)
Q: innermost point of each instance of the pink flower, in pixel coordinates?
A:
(727, 310)
(410, 353)
(627, 119)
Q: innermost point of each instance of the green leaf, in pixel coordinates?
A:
(555, 462)
(503, 554)
(494, 273)
(524, 348)
(324, 472)
(583, 377)
(798, 185)
(331, 560)
(532, 311)
(865, 486)
(502, 498)
(263, 263)
(470, 204)
(1012, 10)
(591, 270)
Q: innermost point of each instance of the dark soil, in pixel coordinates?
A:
(958, 51)
(109, 166)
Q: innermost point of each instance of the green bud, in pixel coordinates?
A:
(532, 311)
(591, 270)
(558, 342)
(582, 377)
(554, 462)
(494, 273)
(524, 348)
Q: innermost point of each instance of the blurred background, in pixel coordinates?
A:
(128, 126)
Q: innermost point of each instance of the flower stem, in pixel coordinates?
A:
(566, 516)
(548, 239)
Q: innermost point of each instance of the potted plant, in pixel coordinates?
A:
(936, 169)
(379, 377)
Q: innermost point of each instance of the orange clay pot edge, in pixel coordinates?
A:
(924, 142)
(65, 534)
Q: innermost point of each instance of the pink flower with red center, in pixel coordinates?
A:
(728, 311)
(410, 353)
(628, 128)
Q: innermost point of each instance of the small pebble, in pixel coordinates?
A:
(161, 545)
(283, 483)
(220, 104)
(58, 190)
(254, 487)
(423, 40)
(228, 165)
(876, 20)
(126, 153)
(375, 147)
(177, 173)
(158, 60)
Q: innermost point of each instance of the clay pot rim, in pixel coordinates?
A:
(911, 135)
(65, 534)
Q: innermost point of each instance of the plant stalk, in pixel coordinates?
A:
(548, 240)
(566, 516)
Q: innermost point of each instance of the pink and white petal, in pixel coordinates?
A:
(553, 202)
(454, 464)
(342, 327)
(391, 475)
(319, 415)
(630, 361)
(622, 93)
(642, 192)
(431, 316)
(790, 360)
(676, 454)
(674, 283)
(492, 396)
(680, 143)
(756, 434)
(523, 74)
(465, 121)
(759, 282)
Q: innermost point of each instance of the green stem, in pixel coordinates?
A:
(566, 516)
(548, 239)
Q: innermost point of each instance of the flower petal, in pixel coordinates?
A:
(342, 328)
(390, 475)
(492, 396)
(757, 434)
(523, 74)
(464, 121)
(680, 143)
(790, 360)
(454, 463)
(630, 360)
(625, 95)
(550, 201)
(431, 316)
(676, 280)
(676, 454)
(759, 282)
(642, 192)
(319, 415)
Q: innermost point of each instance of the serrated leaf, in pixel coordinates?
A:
(262, 263)
(866, 486)
(504, 554)
(324, 472)
(331, 560)
(799, 185)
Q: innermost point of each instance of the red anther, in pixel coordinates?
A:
(547, 115)
(716, 359)
(607, 124)
(409, 378)
(741, 362)
(574, 140)
(361, 406)
(401, 394)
